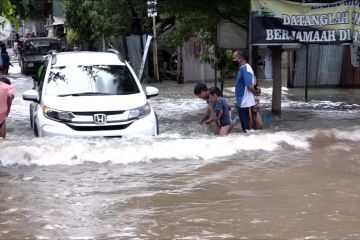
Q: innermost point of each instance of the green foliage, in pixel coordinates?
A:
(7, 10)
(73, 37)
(200, 18)
(33, 9)
(91, 19)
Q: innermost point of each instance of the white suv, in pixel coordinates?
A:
(90, 94)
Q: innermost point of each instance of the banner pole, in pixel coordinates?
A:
(249, 37)
(306, 73)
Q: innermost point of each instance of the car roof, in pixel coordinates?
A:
(41, 39)
(86, 58)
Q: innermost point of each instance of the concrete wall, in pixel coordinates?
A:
(193, 70)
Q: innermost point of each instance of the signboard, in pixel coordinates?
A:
(286, 22)
(152, 8)
(5, 29)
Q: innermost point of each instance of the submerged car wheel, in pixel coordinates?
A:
(36, 132)
(31, 118)
(22, 68)
(157, 124)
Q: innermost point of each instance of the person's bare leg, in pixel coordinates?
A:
(3, 130)
(224, 131)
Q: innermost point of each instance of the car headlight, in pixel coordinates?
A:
(58, 115)
(139, 112)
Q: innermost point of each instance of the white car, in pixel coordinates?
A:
(90, 94)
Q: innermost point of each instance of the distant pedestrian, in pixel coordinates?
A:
(222, 112)
(244, 90)
(6, 98)
(16, 48)
(5, 62)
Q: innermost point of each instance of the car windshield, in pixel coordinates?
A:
(40, 47)
(91, 80)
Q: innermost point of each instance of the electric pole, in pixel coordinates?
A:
(153, 13)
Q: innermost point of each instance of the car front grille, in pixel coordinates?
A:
(84, 121)
(98, 127)
(92, 113)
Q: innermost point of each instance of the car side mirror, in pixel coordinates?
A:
(151, 92)
(31, 95)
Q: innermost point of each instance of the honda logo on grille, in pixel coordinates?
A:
(100, 118)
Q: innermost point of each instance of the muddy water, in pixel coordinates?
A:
(296, 179)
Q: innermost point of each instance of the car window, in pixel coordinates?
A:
(91, 80)
(40, 83)
(40, 47)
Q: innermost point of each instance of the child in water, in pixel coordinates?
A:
(256, 109)
(222, 109)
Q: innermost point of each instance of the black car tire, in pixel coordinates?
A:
(22, 69)
(31, 118)
(157, 124)
(36, 131)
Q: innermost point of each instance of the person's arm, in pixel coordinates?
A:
(219, 108)
(9, 101)
(206, 116)
(220, 114)
(249, 81)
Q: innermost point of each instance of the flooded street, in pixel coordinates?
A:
(298, 178)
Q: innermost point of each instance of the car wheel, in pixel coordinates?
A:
(22, 68)
(157, 124)
(31, 117)
(36, 132)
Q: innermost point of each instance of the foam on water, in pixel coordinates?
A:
(67, 151)
(181, 137)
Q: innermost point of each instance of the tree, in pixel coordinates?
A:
(200, 18)
(7, 10)
(91, 19)
(33, 9)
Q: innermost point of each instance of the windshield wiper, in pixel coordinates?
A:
(84, 94)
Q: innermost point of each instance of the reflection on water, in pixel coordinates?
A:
(297, 178)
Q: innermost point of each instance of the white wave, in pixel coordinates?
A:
(353, 134)
(66, 151)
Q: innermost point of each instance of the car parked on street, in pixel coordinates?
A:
(85, 94)
(33, 50)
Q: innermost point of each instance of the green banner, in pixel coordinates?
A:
(286, 22)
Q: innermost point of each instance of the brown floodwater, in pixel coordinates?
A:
(298, 178)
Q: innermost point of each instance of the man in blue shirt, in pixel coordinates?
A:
(244, 90)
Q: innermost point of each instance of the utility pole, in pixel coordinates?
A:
(153, 13)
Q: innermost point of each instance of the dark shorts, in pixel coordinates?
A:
(246, 116)
(1, 124)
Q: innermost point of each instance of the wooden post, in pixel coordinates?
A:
(277, 82)
(179, 66)
(155, 55)
(215, 57)
(290, 69)
(306, 72)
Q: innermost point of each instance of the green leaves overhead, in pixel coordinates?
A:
(93, 18)
(200, 17)
(7, 10)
